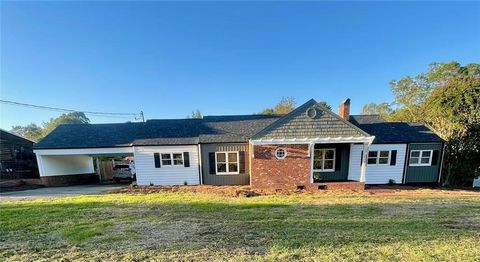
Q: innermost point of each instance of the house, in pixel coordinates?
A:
(17, 159)
(309, 148)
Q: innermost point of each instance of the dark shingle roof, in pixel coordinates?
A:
(239, 128)
(323, 124)
(211, 129)
(86, 135)
(394, 132)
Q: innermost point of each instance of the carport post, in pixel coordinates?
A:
(363, 169)
(99, 172)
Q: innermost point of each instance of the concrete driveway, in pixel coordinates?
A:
(49, 192)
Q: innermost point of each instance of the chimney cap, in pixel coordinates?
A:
(345, 102)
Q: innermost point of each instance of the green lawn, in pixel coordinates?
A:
(329, 226)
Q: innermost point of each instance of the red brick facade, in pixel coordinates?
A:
(268, 172)
(290, 173)
(67, 180)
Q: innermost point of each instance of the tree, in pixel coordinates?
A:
(447, 99)
(323, 103)
(285, 106)
(195, 115)
(34, 132)
(382, 109)
(68, 118)
(31, 131)
(453, 112)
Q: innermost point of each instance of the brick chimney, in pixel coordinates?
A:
(344, 109)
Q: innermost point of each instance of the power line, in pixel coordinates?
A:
(103, 114)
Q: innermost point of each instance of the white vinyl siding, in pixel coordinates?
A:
(378, 173)
(166, 175)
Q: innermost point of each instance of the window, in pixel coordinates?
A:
(324, 160)
(420, 158)
(372, 157)
(280, 153)
(378, 157)
(383, 157)
(177, 159)
(169, 159)
(226, 162)
(166, 160)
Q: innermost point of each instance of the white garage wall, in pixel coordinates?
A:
(378, 174)
(52, 165)
(165, 175)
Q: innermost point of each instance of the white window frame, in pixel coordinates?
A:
(227, 162)
(323, 160)
(172, 162)
(377, 158)
(284, 155)
(420, 156)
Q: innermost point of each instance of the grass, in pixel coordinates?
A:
(327, 226)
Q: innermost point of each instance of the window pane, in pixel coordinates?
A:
(317, 164)
(383, 160)
(415, 154)
(165, 156)
(221, 157)
(329, 154)
(425, 160)
(280, 153)
(372, 153)
(232, 167)
(372, 161)
(384, 153)
(426, 153)
(328, 164)
(177, 159)
(232, 157)
(221, 168)
(318, 154)
(414, 160)
(166, 162)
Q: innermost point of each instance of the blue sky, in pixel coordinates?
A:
(222, 58)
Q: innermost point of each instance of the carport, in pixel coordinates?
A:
(74, 165)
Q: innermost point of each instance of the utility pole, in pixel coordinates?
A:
(142, 116)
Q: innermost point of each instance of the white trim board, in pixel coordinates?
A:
(326, 140)
(85, 151)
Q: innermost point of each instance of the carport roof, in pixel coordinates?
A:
(210, 129)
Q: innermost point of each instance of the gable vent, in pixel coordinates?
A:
(311, 113)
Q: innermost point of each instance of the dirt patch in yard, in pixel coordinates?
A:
(247, 191)
(231, 191)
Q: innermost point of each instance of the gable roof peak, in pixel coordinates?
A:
(300, 124)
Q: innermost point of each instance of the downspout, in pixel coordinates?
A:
(135, 164)
(405, 165)
(251, 156)
(441, 164)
